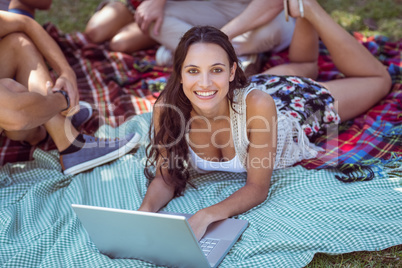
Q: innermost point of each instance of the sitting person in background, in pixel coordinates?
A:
(253, 26)
(31, 105)
(221, 122)
(115, 22)
(28, 7)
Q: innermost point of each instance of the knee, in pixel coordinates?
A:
(17, 40)
(21, 47)
(94, 34)
(119, 45)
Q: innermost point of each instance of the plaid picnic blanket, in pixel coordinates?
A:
(121, 86)
(373, 137)
(306, 212)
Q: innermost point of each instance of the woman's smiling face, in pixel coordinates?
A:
(206, 74)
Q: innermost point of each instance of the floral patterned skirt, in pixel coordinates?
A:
(304, 99)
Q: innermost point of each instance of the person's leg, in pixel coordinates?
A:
(130, 38)
(29, 67)
(78, 152)
(9, 64)
(107, 22)
(31, 136)
(25, 64)
(303, 53)
(367, 80)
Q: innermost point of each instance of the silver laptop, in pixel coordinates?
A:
(160, 238)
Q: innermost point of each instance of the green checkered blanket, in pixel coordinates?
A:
(307, 211)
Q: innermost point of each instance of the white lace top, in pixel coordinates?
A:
(292, 143)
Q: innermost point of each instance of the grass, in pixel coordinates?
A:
(388, 258)
(371, 17)
(69, 15)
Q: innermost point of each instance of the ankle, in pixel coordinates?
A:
(75, 146)
(311, 7)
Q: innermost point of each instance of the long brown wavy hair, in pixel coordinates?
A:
(168, 147)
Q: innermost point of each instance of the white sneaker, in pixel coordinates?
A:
(164, 56)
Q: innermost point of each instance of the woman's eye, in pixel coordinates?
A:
(217, 70)
(192, 71)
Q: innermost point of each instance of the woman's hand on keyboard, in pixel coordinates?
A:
(199, 223)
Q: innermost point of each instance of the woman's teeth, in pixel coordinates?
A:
(205, 93)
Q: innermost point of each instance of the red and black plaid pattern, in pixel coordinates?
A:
(375, 136)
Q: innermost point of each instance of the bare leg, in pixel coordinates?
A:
(24, 63)
(32, 136)
(115, 22)
(367, 80)
(130, 39)
(303, 53)
(107, 22)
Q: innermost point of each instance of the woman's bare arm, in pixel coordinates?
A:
(25, 110)
(159, 192)
(261, 158)
(257, 13)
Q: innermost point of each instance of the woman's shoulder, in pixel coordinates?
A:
(259, 103)
(257, 97)
(242, 93)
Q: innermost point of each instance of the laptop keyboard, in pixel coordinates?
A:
(207, 244)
